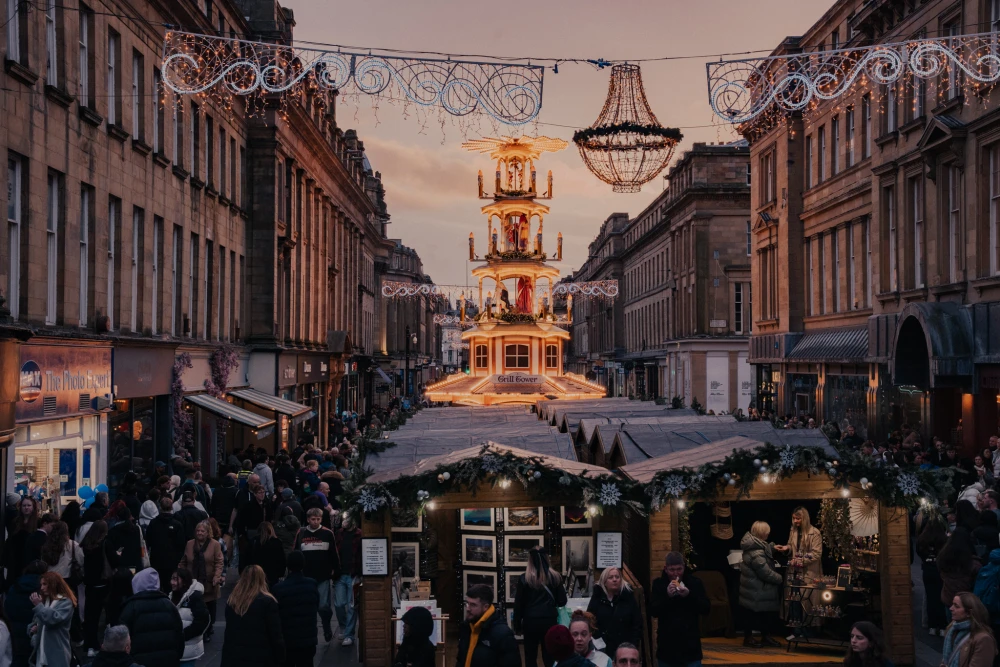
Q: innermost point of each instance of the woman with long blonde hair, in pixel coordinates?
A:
(253, 627)
(968, 641)
(805, 544)
(537, 599)
(55, 606)
(619, 618)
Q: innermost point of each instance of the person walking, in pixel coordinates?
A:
(319, 547)
(582, 626)
(187, 595)
(538, 597)
(932, 538)
(96, 579)
(619, 618)
(867, 648)
(54, 608)
(153, 622)
(63, 555)
(263, 471)
(19, 610)
(968, 641)
(416, 649)
(189, 515)
(24, 525)
(287, 528)
(267, 552)
(253, 625)
(249, 516)
(760, 585)
(484, 639)
(677, 600)
(115, 649)
(349, 553)
(958, 565)
(203, 558)
(223, 505)
(165, 540)
(298, 606)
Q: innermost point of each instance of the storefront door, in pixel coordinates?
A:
(53, 460)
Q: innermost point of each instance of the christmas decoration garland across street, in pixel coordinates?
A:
(890, 485)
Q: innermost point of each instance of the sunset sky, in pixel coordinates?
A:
(431, 182)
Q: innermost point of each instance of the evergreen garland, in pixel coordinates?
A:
(835, 527)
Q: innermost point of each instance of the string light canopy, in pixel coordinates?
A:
(626, 146)
(742, 90)
(510, 93)
(598, 289)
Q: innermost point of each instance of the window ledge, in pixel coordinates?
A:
(915, 124)
(949, 105)
(233, 207)
(141, 147)
(887, 138)
(197, 183)
(768, 323)
(20, 72)
(161, 159)
(950, 288)
(915, 294)
(59, 96)
(211, 191)
(180, 172)
(887, 297)
(985, 283)
(90, 116)
(118, 132)
(244, 214)
(223, 199)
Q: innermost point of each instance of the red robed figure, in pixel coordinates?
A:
(524, 300)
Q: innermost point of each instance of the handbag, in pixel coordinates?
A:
(143, 550)
(75, 569)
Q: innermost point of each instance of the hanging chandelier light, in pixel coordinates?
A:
(626, 146)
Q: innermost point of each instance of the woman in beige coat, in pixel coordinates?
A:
(805, 544)
(203, 558)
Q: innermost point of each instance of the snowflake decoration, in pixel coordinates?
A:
(492, 464)
(674, 486)
(370, 502)
(610, 494)
(787, 458)
(908, 484)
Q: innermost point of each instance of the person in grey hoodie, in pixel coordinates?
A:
(266, 477)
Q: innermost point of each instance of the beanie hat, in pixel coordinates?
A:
(286, 493)
(559, 643)
(146, 580)
(420, 621)
(295, 561)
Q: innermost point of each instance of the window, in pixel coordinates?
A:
(890, 217)
(994, 236)
(835, 145)
(114, 92)
(516, 356)
(738, 308)
(952, 30)
(51, 45)
(866, 126)
(52, 250)
(210, 152)
(175, 280)
(138, 219)
(280, 173)
(232, 170)
(821, 164)
(138, 72)
(994, 27)
(835, 265)
(809, 162)
(919, 97)
(178, 131)
(195, 141)
(748, 164)
(114, 213)
(158, 112)
(821, 275)
(749, 239)
(835, 40)
(243, 178)
(869, 284)
(193, 283)
(222, 162)
(767, 170)
(481, 356)
(208, 292)
(231, 302)
(15, 14)
(86, 92)
(84, 286)
(890, 108)
(955, 222)
(852, 273)
(917, 214)
(221, 332)
(154, 320)
(551, 356)
(850, 137)
(810, 287)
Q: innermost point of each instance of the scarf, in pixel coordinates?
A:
(956, 636)
(474, 636)
(198, 569)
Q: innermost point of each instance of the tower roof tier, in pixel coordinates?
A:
(502, 269)
(526, 148)
(508, 207)
(502, 329)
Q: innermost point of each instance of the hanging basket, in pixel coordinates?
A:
(626, 146)
(722, 529)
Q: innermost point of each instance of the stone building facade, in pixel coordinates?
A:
(875, 230)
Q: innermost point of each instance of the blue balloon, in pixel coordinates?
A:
(102, 488)
(85, 492)
(89, 501)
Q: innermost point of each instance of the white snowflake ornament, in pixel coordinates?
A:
(370, 502)
(787, 457)
(492, 464)
(610, 494)
(674, 486)
(908, 484)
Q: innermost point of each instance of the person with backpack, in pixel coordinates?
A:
(932, 538)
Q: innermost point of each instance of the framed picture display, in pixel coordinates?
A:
(406, 559)
(521, 519)
(374, 556)
(574, 517)
(472, 577)
(510, 623)
(577, 551)
(407, 521)
(511, 577)
(517, 548)
(479, 550)
(477, 519)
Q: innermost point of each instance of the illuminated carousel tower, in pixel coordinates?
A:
(515, 342)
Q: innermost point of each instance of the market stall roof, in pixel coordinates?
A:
(431, 463)
(693, 457)
(589, 427)
(229, 411)
(547, 408)
(272, 403)
(845, 345)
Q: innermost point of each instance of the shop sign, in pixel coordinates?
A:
(313, 369)
(287, 371)
(142, 371)
(518, 379)
(59, 381)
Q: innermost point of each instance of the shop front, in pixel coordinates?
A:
(291, 389)
(60, 415)
(313, 375)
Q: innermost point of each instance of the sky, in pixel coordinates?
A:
(430, 181)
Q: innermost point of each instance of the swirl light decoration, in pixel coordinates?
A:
(510, 93)
(741, 90)
(626, 146)
(453, 320)
(600, 289)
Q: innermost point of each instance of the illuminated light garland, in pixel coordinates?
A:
(510, 93)
(601, 289)
(742, 90)
(453, 320)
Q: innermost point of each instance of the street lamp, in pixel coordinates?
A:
(406, 375)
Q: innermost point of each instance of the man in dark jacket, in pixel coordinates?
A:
(677, 600)
(33, 545)
(153, 623)
(20, 611)
(115, 649)
(189, 515)
(286, 472)
(165, 541)
(298, 604)
(484, 633)
(224, 502)
(319, 549)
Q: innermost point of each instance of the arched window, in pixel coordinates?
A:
(551, 356)
(516, 356)
(481, 357)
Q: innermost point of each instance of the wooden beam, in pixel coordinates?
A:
(894, 573)
(375, 610)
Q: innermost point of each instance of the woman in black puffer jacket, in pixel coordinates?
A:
(537, 599)
(619, 618)
(153, 622)
(253, 624)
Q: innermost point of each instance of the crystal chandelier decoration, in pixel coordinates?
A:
(626, 146)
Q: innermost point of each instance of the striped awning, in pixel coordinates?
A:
(229, 411)
(381, 374)
(268, 402)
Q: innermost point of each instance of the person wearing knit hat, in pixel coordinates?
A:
(416, 649)
(153, 622)
(559, 645)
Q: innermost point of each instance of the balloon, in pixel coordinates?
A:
(85, 492)
(102, 488)
(89, 501)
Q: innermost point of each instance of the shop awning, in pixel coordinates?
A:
(843, 345)
(273, 403)
(381, 374)
(229, 411)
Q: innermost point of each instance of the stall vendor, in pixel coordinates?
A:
(805, 545)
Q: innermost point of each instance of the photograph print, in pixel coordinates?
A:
(512, 577)
(577, 553)
(405, 559)
(574, 517)
(517, 548)
(479, 550)
(471, 577)
(523, 519)
(476, 519)
(406, 521)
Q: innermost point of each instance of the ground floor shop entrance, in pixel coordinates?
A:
(52, 460)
